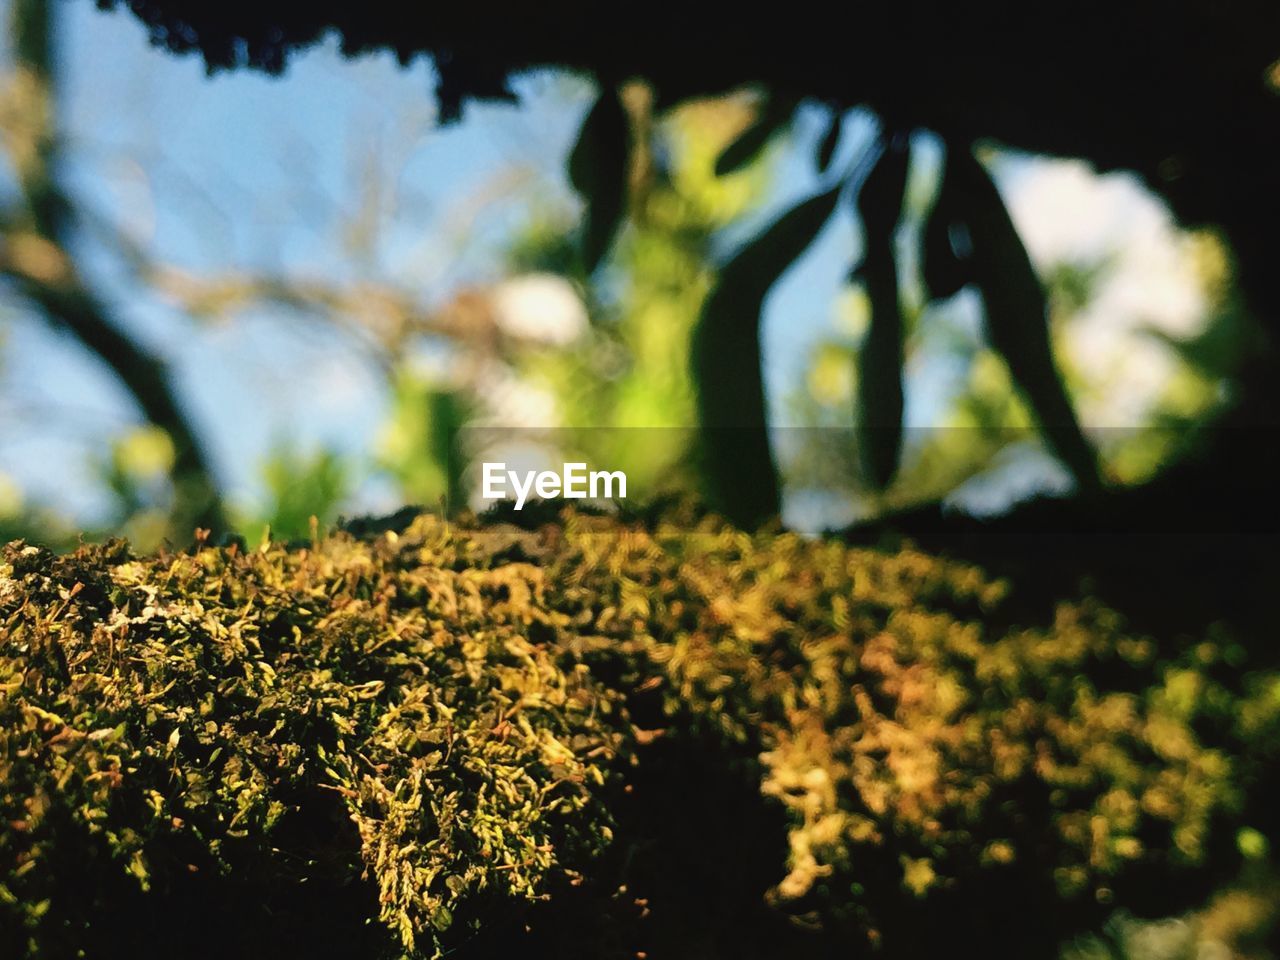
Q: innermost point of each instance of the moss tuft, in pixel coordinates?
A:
(439, 729)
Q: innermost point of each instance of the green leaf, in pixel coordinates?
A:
(598, 168)
(1017, 315)
(880, 400)
(726, 365)
(448, 411)
(944, 272)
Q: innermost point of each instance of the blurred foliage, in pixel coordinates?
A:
(982, 425)
(441, 727)
(630, 373)
(138, 474)
(662, 169)
(418, 446)
(670, 312)
(19, 520)
(301, 489)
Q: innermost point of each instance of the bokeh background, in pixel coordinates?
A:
(338, 285)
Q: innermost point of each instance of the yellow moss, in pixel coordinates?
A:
(461, 691)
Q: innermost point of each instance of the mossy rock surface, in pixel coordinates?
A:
(594, 738)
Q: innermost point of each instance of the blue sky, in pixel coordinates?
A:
(246, 172)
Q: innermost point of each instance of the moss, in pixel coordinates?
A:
(439, 729)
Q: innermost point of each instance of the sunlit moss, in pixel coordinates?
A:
(462, 696)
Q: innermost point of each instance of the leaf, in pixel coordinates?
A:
(1017, 315)
(945, 272)
(827, 146)
(726, 365)
(880, 392)
(880, 401)
(880, 196)
(752, 141)
(598, 168)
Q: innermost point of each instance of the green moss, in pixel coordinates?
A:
(438, 726)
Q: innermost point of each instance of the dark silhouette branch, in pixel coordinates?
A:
(72, 307)
(36, 261)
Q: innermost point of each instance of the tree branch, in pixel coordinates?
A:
(35, 257)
